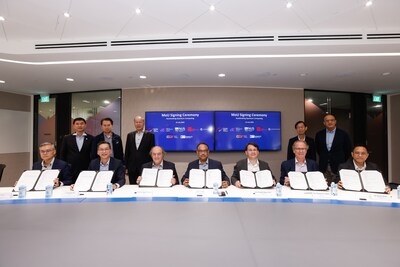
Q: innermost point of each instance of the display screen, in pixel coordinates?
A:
(181, 130)
(234, 129)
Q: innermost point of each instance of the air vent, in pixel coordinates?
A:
(383, 36)
(70, 45)
(150, 42)
(233, 39)
(320, 37)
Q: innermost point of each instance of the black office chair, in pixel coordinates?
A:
(2, 166)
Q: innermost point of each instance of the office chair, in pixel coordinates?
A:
(2, 166)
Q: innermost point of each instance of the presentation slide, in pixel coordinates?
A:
(181, 130)
(234, 129)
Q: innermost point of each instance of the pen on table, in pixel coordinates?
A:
(363, 199)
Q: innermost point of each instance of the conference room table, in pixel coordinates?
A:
(179, 226)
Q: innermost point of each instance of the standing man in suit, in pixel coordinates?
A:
(300, 163)
(157, 154)
(358, 162)
(109, 136)
(301, 129)
(107, 163)
(205, 163)
(250, 163)
(137, 149)
(49, 162)
(333, 146)
(76, 148)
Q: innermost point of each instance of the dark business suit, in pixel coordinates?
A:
(116, 146)
(242, 165)
(212, 164)
(167, 165)
(349, 165)
(311, 154)
(70, 153)
(339, 153)
(65, 171)
(115, 165)
(290, 166)
(135, 158)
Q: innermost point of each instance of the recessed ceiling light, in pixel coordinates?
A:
(289, 5)
(138, 11)
(212, 8)
(86, 101)
(303, 74)
(386, 73)
(70, 79)
(142, 77)
(368, 3)
(2, 18)
(106, 102)
(310, 100)
(221, 75)
(1, 81)
(67, 15)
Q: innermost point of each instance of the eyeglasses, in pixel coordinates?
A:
(205, 151)
(103, 149)
(45, 151)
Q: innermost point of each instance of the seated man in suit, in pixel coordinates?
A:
(108, 163)
(157, 153)
(48, 161)
(358, 162)
(204, 163)
(251, 163)
(299, 163)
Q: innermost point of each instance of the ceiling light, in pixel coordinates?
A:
(368, 3)
(221, 75)
(303, 74)
(378, 106)
(310, 100)
(2, 18)
(106, 102)
(138, 11)
(66, 14)
(212, 8)
(142, 77)
(86, 101)
(289, 5)
(1, 81)
(386, 73)
(70, 79)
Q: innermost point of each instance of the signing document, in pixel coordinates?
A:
(156, 177)
(310, 180)
(260, 179)
(370, 181)
(204, 178)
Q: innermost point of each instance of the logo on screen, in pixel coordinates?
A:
(249, 129)
(179, 129)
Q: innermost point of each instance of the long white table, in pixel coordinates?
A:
(180, 193)
(190, 227)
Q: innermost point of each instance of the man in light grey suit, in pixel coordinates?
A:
(250, 163)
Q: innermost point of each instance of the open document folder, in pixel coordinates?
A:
(260, 179)
(204, 178)
(308, 181)
(156, 177)
(36, 179)
(93, 181)
(369, 181)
